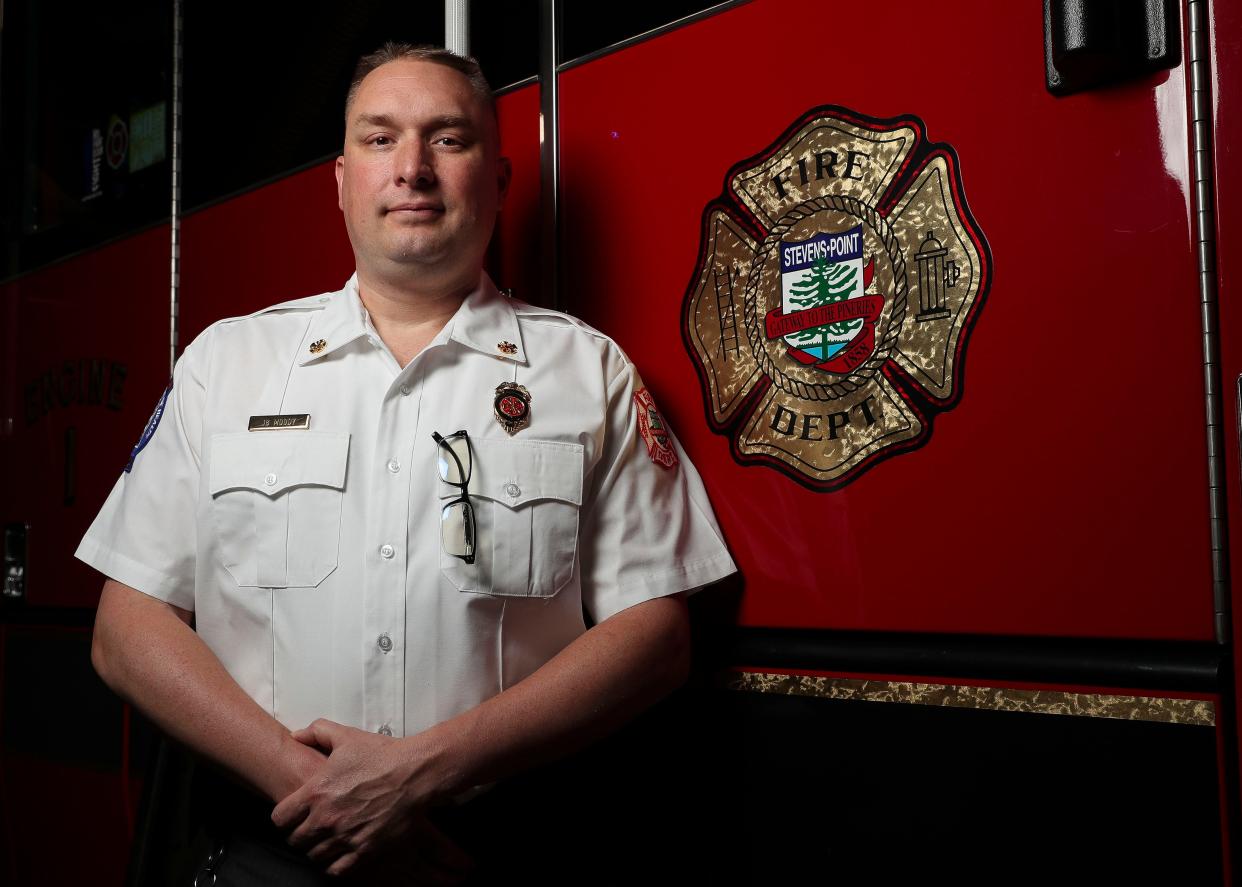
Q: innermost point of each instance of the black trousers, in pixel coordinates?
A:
(505, 831)
(642, 806)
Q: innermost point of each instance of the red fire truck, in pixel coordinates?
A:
(939, 300)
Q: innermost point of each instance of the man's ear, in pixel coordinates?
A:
(340, 178)
(504, 174)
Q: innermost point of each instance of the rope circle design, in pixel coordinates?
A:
(766, 352)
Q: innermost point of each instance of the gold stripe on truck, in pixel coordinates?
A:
(1161, 709)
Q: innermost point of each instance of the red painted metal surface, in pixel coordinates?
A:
(515, 253)
(1066, 493)
(1063, 495)
(1226, 47)
(280, 242)
(88, 358)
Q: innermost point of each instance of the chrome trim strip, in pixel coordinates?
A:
(1159, 709)
(654, 32)
(175, 203)
(1205, 231)
(457, 26)
(550, 150)
(514, 87)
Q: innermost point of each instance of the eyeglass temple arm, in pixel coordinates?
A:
(461, 472)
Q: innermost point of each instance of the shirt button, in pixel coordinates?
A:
(405, 389)
(513, 491)
(394, 466)
(387, 551)
(385, 642)
(270, 480)
(384, 730)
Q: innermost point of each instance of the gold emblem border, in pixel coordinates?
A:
(731, 209)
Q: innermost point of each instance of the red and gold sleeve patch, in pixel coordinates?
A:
(653, 431)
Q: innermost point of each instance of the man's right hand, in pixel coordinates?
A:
(364, 810)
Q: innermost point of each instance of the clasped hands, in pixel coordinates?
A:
(362, 811)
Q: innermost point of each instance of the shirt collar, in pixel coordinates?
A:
(343, 320)
(485, 321)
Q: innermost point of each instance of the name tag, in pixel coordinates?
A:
(292, 421)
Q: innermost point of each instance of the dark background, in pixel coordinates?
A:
(714, 787)
(263, 88)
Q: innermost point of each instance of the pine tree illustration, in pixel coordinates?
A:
(822, 284)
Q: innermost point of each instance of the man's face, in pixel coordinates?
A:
(420, 179)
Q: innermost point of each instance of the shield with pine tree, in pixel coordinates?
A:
(821, 271)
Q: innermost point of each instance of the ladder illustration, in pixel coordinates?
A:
(729, 343)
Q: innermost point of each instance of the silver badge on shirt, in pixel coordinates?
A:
(511, 406)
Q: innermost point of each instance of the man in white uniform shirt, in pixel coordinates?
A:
(384, 510)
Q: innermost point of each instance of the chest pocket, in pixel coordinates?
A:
(526, 496)
(276, 505)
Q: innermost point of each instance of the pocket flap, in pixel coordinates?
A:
(514, 472)
(271, 462)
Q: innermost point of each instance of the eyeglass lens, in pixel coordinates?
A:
(454, 471)
(457, 529)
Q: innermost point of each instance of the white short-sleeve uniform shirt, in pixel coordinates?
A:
(312, 558)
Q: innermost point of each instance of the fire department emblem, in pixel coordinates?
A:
(652, 430)
(839, 276)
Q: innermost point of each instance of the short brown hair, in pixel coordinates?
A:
(393, 51)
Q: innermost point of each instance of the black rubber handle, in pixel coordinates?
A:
(1090, 43)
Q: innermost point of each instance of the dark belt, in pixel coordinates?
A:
(246, 848)
(240, 861)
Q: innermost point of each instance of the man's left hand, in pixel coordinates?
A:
(364, 804)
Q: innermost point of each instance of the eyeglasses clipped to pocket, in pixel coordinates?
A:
(514, 505)
(457, 526)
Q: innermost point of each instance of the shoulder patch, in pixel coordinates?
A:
(653, 431)
(149, 430)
